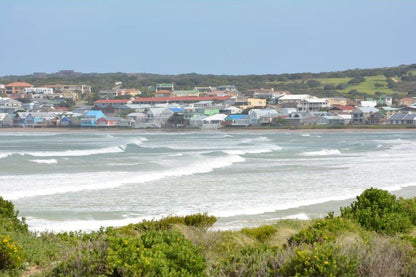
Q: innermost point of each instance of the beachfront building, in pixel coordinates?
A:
(5, 120)
(262, 116)
(313, 105)
(366, 115)
(90, 118)
(237, 120)
(214, 122)
(327, 118)
(402, 119)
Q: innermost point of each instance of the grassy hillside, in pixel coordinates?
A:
(374, 236)
(398, 81)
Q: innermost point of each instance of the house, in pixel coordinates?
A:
(181, 100)
(108, 121)
(341, 109)
(385, 99)
(338, 101)
(116, 104)
(90, 118)
(194, 93)
(45, 119)
(9, 106)
(368, 103)
(293, 98)
(407, 101)
(70, 91)
(156, 117)
(227, 88)
(366, 115)
(38, 92)
(300, 118)
(17, 88)
(256, 102)
(237, 120)
(197, 120)
(5, 120)
(313, 105)
(329, 119)
(214, 121)
(262, 116)
(163, 93)
(402, 119)
(231, 110)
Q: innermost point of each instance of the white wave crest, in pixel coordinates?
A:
(78, 153)
(323, 152)
(43, 185)
(259, 150)
(5, 155)
(51, 161)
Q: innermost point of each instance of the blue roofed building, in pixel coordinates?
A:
(91, 117)
(237, 120)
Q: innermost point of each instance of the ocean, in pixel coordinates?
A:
(69, 181)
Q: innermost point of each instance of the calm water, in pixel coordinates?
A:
(71, 181)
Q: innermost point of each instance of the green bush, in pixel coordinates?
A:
(165, 253)
(378, 210)
(319, 260)
(261, 233)
(248, 261)
(323, 230)
(195, 220)
(10, 253)
(9, 220)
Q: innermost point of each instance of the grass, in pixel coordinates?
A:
(367, 87)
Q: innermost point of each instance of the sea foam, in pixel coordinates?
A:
(323, 152)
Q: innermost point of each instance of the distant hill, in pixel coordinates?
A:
(356, 83)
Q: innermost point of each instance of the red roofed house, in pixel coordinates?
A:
(178, 100)
(114, 103)
(17, 87)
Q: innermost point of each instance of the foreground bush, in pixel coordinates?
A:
(261, 233)
(378, 210)
(154, 254)
(10, 253)
(320, 260)
(9, 220)
(323, 230)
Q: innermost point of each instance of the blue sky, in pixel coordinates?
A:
(205, 36)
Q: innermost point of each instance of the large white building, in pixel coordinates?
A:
(313, 104)
(48, 91)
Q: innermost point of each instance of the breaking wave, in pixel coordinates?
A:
(323, 152)
(51, 161)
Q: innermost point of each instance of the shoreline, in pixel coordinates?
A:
(131, 130)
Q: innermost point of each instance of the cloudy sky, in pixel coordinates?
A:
(205, 36)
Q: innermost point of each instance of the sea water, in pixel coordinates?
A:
(63, 181)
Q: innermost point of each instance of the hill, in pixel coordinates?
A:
(397, 81)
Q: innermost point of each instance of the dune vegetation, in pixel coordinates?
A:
(374, 236)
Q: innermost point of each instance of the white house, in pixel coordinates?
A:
(214, 122)
(45, 91)
(5, 120)
(262, 116)
(313, 104)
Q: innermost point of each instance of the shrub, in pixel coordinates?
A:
(248, 261)
(323, 230)
(196, 220)
(200, 220)
(9, 220)
(261, 233)
(165, 253)
(10, 253)
(319, 260)
(378, 210)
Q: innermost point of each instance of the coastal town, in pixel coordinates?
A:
(211, 107)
